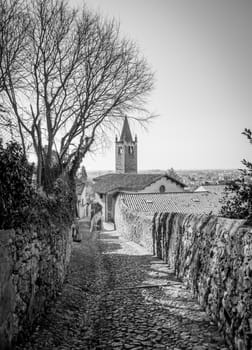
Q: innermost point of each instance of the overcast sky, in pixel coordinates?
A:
(201, 51)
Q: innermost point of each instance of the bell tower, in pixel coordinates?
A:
(126, 151)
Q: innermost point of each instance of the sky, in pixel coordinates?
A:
(201, 53)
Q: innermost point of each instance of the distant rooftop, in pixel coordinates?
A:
(216, 189)
(180, 202)
(128, 182)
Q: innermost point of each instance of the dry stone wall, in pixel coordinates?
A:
(33, 264)
(134, 227)
(211, 255)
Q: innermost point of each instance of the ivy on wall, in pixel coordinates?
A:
(20, 203)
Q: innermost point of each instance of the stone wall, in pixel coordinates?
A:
(133, 227)
(33, 265)
(211, 255)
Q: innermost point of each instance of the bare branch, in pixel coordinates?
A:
(68, 78)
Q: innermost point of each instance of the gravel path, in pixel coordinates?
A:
(116, 296)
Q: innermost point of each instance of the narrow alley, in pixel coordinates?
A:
(116, 296)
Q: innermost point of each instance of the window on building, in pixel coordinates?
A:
(120, 150)
(162, 189)
(131, 149)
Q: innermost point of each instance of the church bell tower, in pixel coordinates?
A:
(126, 151)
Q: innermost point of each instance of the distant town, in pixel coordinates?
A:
(191, 178)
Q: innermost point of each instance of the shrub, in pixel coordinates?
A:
(237, 201)
(238, 198)
(20, 204)
(16, 191)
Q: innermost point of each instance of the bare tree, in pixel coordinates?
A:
(13, 29)
(75, 78)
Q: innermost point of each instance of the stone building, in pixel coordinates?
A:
(107, 188)
(126, 178)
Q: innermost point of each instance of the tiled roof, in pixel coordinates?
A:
(126, 134)
(127, 182)
(180, 202)
(217, 189)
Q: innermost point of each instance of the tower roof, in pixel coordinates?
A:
(126, 134)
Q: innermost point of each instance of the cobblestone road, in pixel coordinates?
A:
(116, 296)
